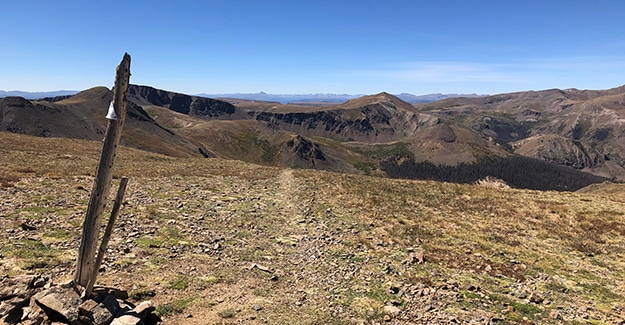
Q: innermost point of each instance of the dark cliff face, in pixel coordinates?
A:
(372, 122)
(328, 122)
(181, 103)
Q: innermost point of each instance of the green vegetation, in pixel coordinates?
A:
(383, 151)
(516, 171)
(252, 141)
(33, 254)
(174, 307)
(179, 282)
(62, 234)
(366, 167)
(141, 294)
(524, 310)
(227, 313)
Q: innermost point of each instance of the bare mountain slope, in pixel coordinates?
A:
(583, 129)
(373, 119)
(82, 116)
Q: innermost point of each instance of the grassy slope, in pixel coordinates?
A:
(337, 248)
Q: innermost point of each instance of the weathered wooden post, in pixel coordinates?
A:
(108, 232)
(86, 269)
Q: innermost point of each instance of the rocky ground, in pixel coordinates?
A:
(215, 241)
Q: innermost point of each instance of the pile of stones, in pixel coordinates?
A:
(35, 300)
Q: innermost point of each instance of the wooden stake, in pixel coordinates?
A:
(85, 265)
(107, 233)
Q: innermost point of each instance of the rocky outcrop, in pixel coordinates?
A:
(181, 103)
(306, 149)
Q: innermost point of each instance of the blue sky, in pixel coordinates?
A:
(354, 47)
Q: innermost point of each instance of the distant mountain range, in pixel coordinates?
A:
(331, 98)
(262, 96)
(37, 95)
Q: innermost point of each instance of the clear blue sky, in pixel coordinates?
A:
(290, 46)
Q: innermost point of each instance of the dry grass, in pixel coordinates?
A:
(492, 182)
(216, 239)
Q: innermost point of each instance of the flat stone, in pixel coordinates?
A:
(104, 312)
(62, 300)
(536, 298)
(554, 314)
(144, 308)
(117, 293)
(127, 319)
(262, 268)
(86, 307)
(391, 310)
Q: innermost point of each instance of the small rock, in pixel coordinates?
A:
(420, 257)
(521, 294)
(262, 268)
(257, 307)
(27, 227)
(536, 298)
(144, 308)
(117, 293)
(391, 310)
(472, 288)
(554, 314)
(86, 307)
(104, 312)
(127, 319)
(33, 314)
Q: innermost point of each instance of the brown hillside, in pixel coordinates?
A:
(82, 116)
(584, 129)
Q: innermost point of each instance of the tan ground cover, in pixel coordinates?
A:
(219, 241)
